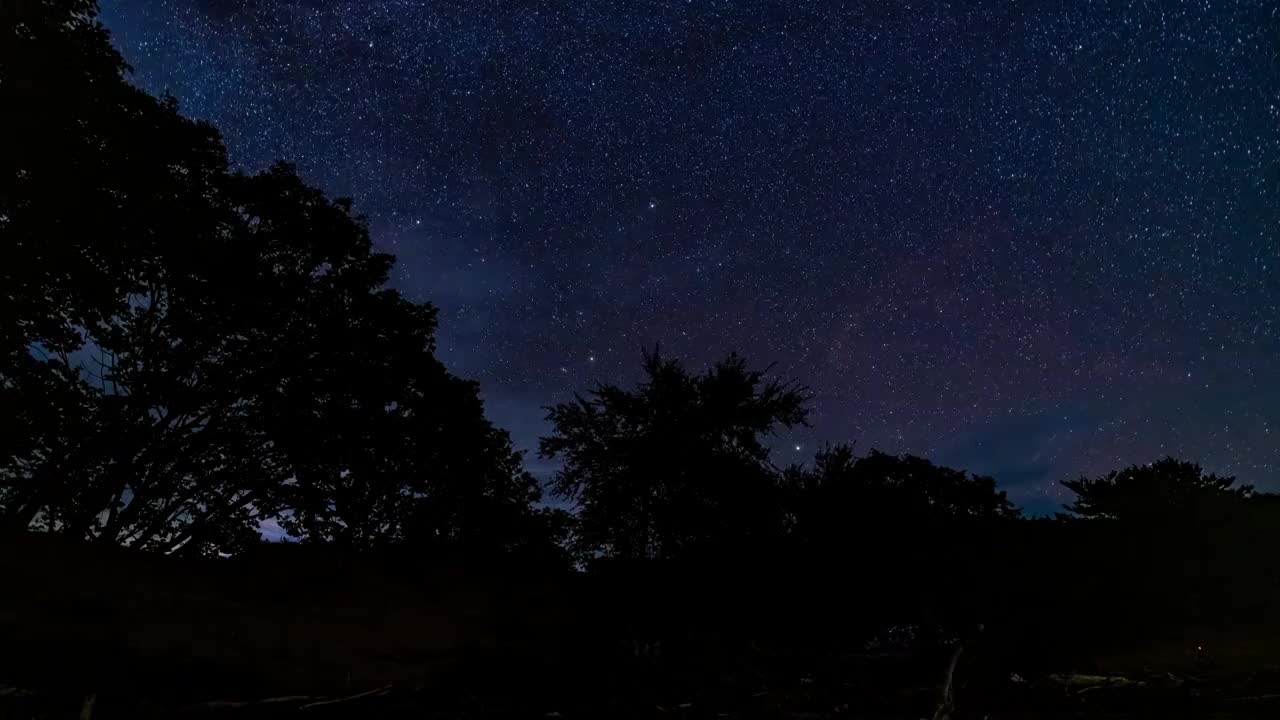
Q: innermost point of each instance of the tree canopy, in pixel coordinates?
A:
(188, 350)
(843, 489)
(677, 464)
(1164, 488)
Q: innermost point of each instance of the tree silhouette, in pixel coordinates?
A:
(676, 466)
(900, 526)
(845, 502)
(98, 173)
(1174, 543)
(902, 488)
(187, 351)
(1160, 489)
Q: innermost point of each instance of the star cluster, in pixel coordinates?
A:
(1032, 240)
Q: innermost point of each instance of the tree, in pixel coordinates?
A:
(903, 490)
(188, 351)
(846, 503)
(1161, 489)
(1171, 542)
(878, 535)
(678, 464)
(96, 174)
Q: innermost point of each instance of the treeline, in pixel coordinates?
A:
(676, 491)
(189, 351)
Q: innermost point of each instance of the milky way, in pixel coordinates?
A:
(1028, 239)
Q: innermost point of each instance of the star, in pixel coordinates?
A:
(956, 269)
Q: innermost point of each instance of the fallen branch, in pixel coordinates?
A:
(235, 704)
(1126, 683)
(1253, 698)
(1089, 683)
(946, 703)
(349, 698)
(6, 691)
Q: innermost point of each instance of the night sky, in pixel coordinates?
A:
(1029, 239)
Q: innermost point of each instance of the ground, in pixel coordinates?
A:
(287, 633)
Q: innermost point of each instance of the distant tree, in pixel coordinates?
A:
(1172, 543)
(1161, 489)
(187, 351)
(844, 498)
(677, 465)
(885, 537)
(841, 482)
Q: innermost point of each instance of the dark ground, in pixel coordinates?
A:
(299, 633)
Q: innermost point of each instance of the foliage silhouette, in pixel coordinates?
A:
(676, 466)
(902, 490)
(188, 351)
(877, 535)
(1173, 543)
(1159, 489)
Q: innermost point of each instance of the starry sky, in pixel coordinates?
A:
(1029, 239)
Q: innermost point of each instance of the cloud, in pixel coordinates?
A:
(1022, 454)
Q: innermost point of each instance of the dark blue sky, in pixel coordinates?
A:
(1031, 239)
